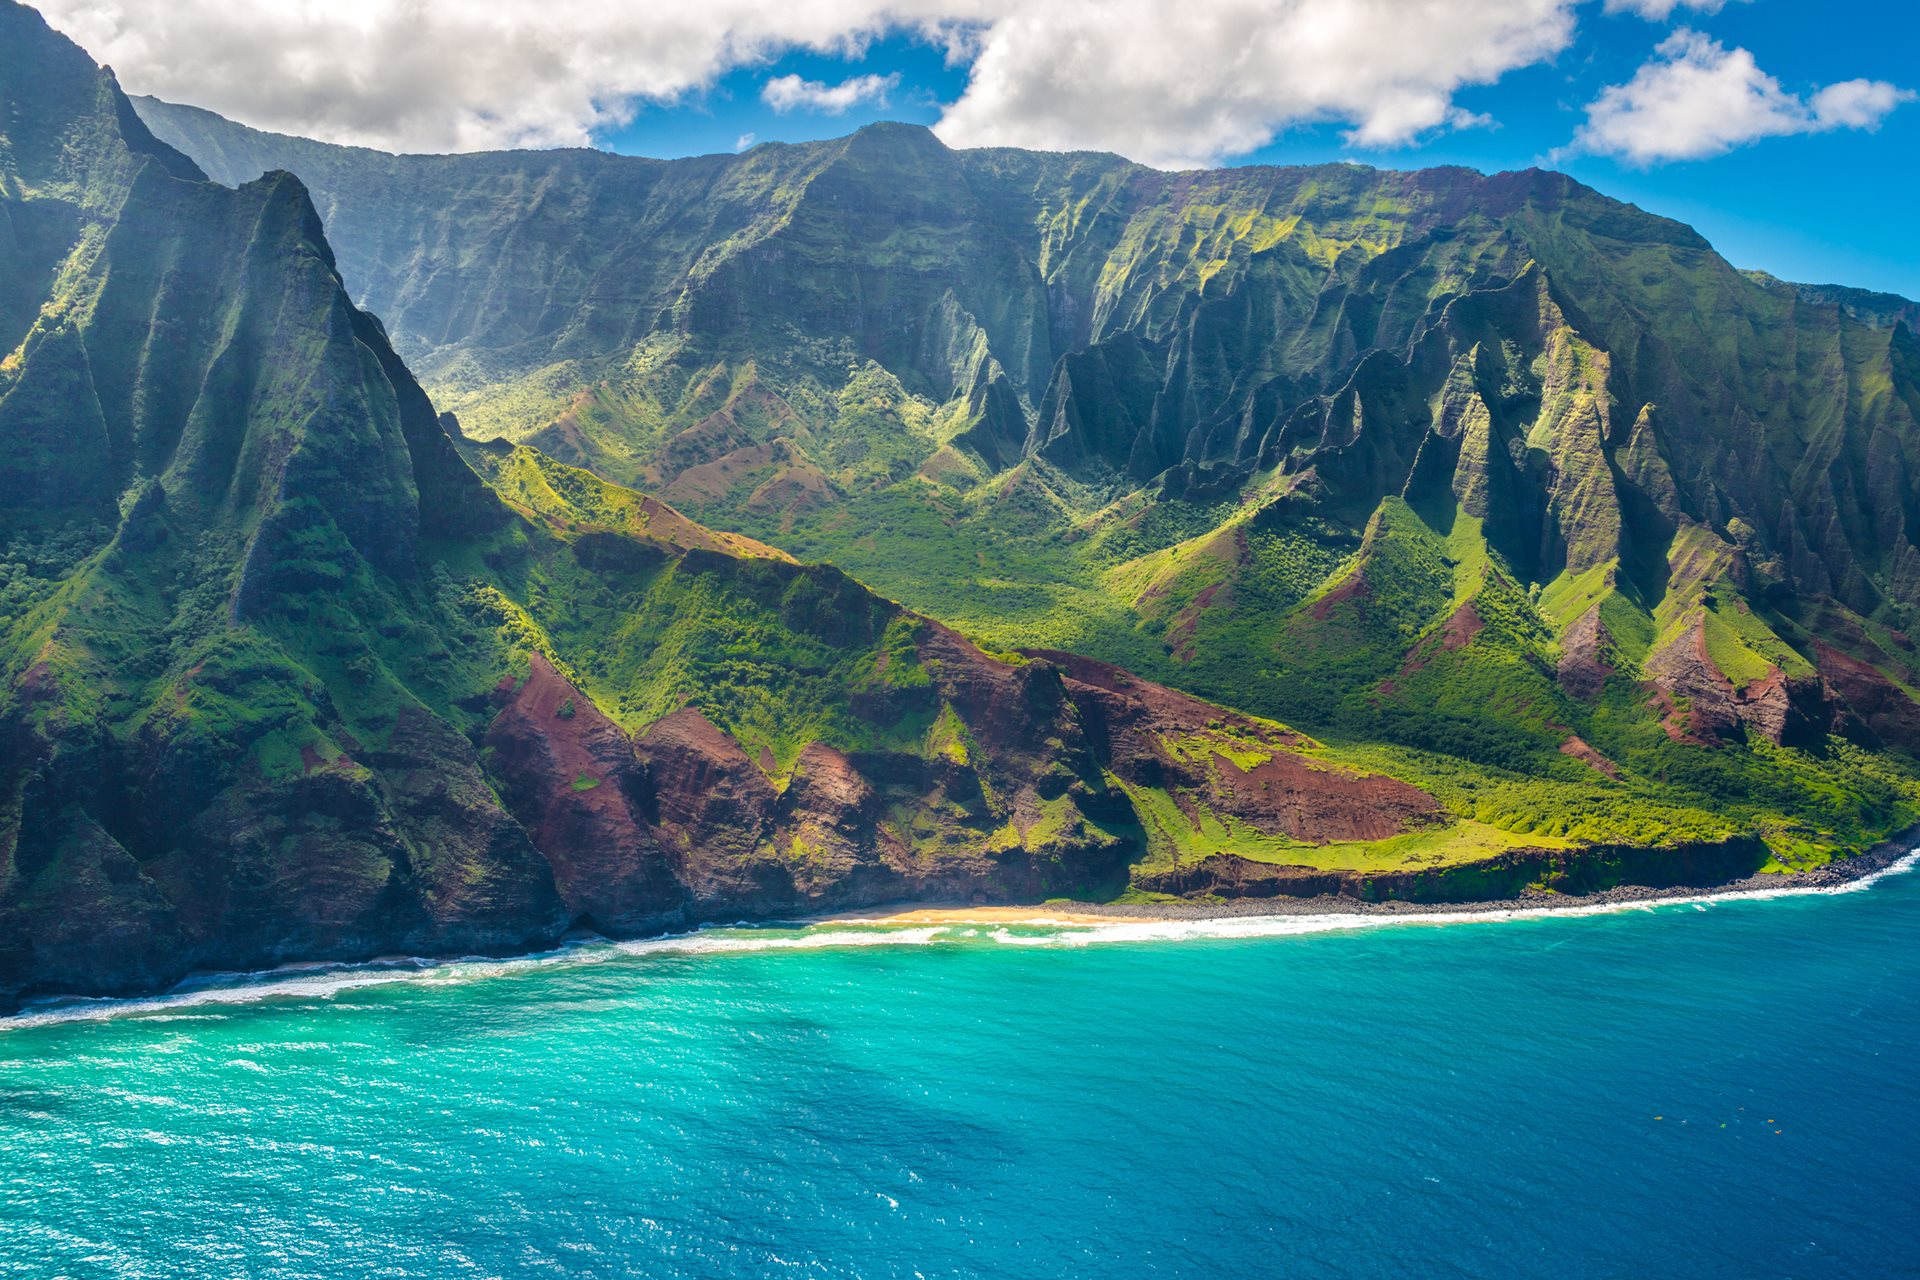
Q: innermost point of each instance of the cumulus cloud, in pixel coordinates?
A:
(1856, 104)
(791, 93)
(1698, 98)
(447, 75)
(1190, 83)
(1168, 84)
(1661, 10)
(744, 141)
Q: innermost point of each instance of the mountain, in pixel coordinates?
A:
(1572, 556)
(1520, 492)
(1884, 310)
(291, 669)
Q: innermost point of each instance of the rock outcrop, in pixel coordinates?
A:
(679, 823)
(1503, 877)
(1784, 711)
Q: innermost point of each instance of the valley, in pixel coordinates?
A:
(866, 521)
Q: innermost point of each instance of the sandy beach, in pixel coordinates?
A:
(1041, 915)
(1832, 876)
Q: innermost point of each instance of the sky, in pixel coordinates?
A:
(1786, 131)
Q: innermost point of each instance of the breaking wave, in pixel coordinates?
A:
(320, 981)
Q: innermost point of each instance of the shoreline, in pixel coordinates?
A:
(1061, 911)
(322, 976)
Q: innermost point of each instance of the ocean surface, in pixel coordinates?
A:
(1727, 1088)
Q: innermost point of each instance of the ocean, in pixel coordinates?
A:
(1714, 1088)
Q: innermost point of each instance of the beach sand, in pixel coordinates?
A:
(1903, 849)
(1041, 915)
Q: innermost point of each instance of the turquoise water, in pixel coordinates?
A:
(1715, 1090)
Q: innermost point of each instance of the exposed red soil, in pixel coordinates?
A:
(572, 783)
(1354, 588)
(1460, 627)
(1458, 631)
(1782, 710)
(1583, 668)
(1287, 793)
(1673, 719)
(797, 486)
(1880, 707)
(680, 820)
(713, 436)
(713, 480)
(1577, 748)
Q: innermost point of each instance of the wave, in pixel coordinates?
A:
(310, 981)
(304, 981)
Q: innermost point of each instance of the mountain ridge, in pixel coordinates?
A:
(1172, 341)
(290, 669)
(293, 667)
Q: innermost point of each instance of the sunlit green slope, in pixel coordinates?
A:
(1461, 468)
(284, 676)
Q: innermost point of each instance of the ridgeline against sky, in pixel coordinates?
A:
(1416, 535)
(1770, 125)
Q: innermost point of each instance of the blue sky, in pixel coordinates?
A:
(1841, 206)
(1787, 131)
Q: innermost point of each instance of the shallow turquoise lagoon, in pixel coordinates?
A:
(1717, 1089)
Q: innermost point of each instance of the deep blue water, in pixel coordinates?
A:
(1679, 1092)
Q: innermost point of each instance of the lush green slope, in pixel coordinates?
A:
(282, 675)
(1470, 468)
(1217, 323)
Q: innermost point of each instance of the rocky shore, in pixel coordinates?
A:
(1070, 912)
(1831, 876)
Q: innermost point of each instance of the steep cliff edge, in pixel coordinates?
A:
(1502, 478)
(284, 677)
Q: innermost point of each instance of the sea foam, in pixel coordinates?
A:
(319, 982)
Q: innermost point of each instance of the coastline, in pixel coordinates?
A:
(322, 977)
(1060, 911)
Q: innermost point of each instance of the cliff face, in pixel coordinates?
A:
(285, 678)
(1445, 464)
(1119, 322)
(1149, 415)
(1026, 792)
(215, 472)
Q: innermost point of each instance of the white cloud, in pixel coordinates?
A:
(1857, 104)
(1661, 10)
(1169, 84)
(791, 93)
(448, 75)
(744, 141)
(1698, 98)
(1191, 83)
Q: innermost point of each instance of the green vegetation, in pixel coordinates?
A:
(1469, 529)
(1446, 471)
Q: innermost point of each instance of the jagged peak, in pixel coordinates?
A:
(53, 88)
(287, 209)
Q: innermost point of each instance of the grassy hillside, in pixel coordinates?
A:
(1522, 491)
(285, 675)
